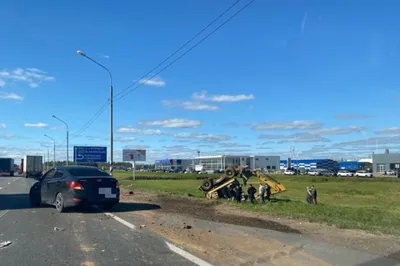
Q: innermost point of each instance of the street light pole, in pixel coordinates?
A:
(48, 156)
(54, 149)
(67, 135)
(81, 53)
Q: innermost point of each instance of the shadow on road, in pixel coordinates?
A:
(14, 201)
(120, 207)
(21, 201)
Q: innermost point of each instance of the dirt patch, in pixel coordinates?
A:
(214, 211)
(207, 210)
(226, 247)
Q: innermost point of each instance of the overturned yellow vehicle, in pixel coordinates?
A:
(212, 187)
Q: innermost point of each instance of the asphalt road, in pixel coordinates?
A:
(87, 237)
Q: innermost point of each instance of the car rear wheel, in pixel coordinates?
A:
(59, 202)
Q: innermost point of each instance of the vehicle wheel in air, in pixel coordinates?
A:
(207, 184)
(60, 203)
(230, 172)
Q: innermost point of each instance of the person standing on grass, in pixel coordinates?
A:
(261, 191)
(251, 191)
(238, 194)
(309, 195)
(268, 192)
(314, 194)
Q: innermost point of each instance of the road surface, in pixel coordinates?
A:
(42, 236)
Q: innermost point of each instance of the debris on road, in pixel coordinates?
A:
(186, 226)
(58, 229)
(143, 225)
(5, 244)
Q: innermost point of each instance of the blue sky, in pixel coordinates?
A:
(321, 78)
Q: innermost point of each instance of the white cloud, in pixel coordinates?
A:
(234, 144)
(8, 136)
(199, 100)
(31, 76)
(297, 137)
(303, 22)
(353, 116)
(203, 137)
(137, 131)
(2, 126)
(172, 123)
(124, 139)
(376, 141)
(10, 96)
(189, 105)
(156, 81)
(337, 130)
(39, 125)
(234, 151)
(287, 125)
(390, 130)
(2, 83)
(105, 56)
(202, 96)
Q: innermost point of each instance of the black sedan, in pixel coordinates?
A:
(71, 186)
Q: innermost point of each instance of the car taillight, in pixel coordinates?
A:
(74, 185)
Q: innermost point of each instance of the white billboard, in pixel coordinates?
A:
(133, 155)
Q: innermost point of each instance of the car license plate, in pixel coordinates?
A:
(107, 192)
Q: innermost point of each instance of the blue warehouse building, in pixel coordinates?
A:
(352, 166)
(327, 164)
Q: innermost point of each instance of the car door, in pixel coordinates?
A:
(44, 187)
(54, 185)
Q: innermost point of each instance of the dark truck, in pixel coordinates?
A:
(7, 166)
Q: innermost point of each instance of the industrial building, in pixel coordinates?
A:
(353, 166)
(385, 162)
(174, 164)
(220, 162)
(309, 164)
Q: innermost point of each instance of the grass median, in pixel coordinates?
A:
(368, 204)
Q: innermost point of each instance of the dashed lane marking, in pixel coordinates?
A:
(172, 247)
(187, 255)
(2, 213)
(122, 221)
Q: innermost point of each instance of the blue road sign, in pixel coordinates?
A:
(85, 154)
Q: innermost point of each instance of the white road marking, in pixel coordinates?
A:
(2, 213)
(172, 247)
(122, 221)
(187, 255)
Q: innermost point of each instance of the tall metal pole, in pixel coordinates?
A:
(67, 135)
(81, 53)
(54, 149)
(48, 156)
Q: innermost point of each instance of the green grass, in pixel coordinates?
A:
(368, 204)
(150, 175)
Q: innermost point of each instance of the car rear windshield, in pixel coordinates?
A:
(87, 172)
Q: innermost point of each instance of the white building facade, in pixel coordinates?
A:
(221, 162)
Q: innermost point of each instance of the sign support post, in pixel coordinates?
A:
(131, 155)
(133, 169)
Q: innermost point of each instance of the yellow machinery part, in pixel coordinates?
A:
(276, 186)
